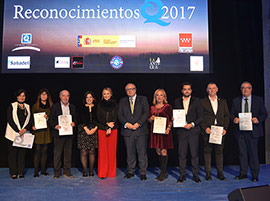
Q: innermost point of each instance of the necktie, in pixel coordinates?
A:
(246, 105)
(131, 105)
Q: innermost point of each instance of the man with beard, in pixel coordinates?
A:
(188, 136)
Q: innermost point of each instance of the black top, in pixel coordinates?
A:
(107, 112)
(87, 118)
(22, 115)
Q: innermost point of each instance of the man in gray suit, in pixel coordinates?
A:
(133, 113)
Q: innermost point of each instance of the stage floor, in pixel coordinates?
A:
(120, 189)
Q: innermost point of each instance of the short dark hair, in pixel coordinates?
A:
(18, 92)
(211, 83)
(85, 95)
(186, 83)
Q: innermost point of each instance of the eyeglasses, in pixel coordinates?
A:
(130, 89)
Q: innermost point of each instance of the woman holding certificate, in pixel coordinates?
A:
(19, 121)
(161, 136)
(87, 132)
(41, 112)
(107, 134)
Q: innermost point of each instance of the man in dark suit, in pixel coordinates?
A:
(133, 113)
(189, 134)
(62, 143)
(248, 140)
(215, 112)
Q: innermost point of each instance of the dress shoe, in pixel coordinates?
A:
(181, 179)
(254, 179)
(14, 176)
(36, 175)
(241, 176)
(143, 177)
(56, 176)
(221, 177)
(163, 176)
(197, 179)
(45, 173)
(21, 176)
(208, 177)
(128, 176)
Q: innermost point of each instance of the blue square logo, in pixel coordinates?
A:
(26, 38)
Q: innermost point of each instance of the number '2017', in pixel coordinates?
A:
(173, 12)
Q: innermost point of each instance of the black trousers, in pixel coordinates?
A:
(207, 151)
(16, 159)
(136, 145)
(248, 153)
(62, 145)
(185, 140)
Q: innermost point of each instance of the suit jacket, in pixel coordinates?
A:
(257, 109)
(194, 114)
(140, 115)
(222, 116)
(55, 112)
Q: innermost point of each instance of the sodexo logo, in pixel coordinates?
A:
(18, 62)
(157, 16)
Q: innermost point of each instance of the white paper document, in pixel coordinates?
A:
(24, 141)
(216, 135)
(245, 123)
(40, 121)
(65, 122)
(179, 118)
(159, 126)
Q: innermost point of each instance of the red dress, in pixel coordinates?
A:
(159, 140)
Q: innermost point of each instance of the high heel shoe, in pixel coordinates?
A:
(85, 174)
(14, 176)
(91, 174)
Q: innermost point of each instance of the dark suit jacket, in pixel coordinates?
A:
(194, 114)
(257, 109)
(55, 112)
(222, 116)
(140, 115)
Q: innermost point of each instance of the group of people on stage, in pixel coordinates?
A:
(97, 128)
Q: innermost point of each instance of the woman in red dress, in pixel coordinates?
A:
(161, 142)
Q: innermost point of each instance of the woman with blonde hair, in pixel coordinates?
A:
(161, 142)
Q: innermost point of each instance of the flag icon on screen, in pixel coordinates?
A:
(185, 43)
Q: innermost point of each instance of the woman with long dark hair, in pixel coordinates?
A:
(42, 136)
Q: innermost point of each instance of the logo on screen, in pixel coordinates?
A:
(116, 62)
(185, 43)
(62, 62)
(77, 62)
(26, 38)
(18, 62)
(154, 63)
(156, 18)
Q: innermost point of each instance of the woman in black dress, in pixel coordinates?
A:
(87, 132)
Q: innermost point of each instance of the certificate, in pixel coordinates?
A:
(245, 123)
(216, 135)
(179, 118)
(40, 121)
(159, 126)
(65, 122)
(24, 141)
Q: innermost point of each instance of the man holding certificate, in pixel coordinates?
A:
(214, 125)
(188, 135)
(62, 121)
(248, 112)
